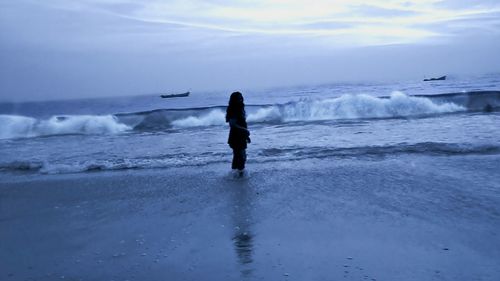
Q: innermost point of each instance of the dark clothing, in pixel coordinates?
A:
(238, 132)
(238, 137)
(239, 159)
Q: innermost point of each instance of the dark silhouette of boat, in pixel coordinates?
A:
(436, 79)
(175, 95)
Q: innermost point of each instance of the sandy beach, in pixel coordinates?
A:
(368, 132)
(300, 220)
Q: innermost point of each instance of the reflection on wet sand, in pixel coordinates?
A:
(241, 217)
(243, 246)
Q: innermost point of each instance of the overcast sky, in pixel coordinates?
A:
(84, 48)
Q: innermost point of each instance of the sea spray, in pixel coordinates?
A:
(343, 107)
(364, 106)
(214, 117)
(12, 126)
(307, 109)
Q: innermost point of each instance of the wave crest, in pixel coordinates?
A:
(214, 117)
(364, 106)
(14, 126)
(343, 107)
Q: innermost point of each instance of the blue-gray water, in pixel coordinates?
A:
(367, 120)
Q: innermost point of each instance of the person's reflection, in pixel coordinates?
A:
(241, 216)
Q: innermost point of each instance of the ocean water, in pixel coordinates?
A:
(458, 116)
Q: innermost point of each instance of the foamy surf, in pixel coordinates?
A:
(353, 107)
(13, 126)
(214, 117)
(344, 107)
(70, 166)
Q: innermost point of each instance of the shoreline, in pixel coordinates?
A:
(403, 218)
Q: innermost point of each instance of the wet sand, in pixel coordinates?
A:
(404, 218)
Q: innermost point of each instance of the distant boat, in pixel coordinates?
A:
(175, 95)
(436, 79)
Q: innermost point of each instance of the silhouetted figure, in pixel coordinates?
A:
(238, 133)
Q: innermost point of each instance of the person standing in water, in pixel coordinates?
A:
(239, 135)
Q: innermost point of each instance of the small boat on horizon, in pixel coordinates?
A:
(436, 79)
(175, 95)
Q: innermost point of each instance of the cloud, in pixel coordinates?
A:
(381, 12)
(218, 43)
(353, 22)
(216, 26)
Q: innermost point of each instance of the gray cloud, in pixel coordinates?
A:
(374, 11)
(98, 48)
(485, 26)
(330, 24)
(464, 4)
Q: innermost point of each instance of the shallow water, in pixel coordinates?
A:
(401, 217)
(337, 121)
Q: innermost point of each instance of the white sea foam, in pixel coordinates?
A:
(265, 114)
(65, 166)
(217, 117)
(344, 107)
(214, 117)
(13, 126)
(356, 106)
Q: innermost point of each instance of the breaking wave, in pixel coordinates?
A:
(354, 107)
(13, 126)
(344, 107)
(214, 117)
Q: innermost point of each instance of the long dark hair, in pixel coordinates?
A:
(236, 107)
